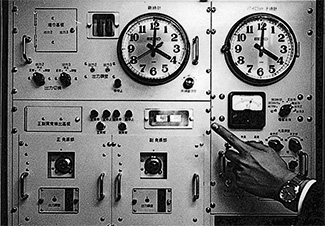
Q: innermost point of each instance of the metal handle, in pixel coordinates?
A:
(223, 164)
(303, 164)
(23, 195)
(100, 187)
(118, 187)
(26, 39)
(196, 186)
(195, 51)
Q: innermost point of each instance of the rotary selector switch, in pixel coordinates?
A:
(38, 79)
(294, 145)
(188, 83)
(93, 114)
(285, 110)
(106, 114)
(153, 165)
(276, 145)
(100, 126)
(116, 114)
(65, 79)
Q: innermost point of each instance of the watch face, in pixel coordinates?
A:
(289, 193)
(260, 49)
(153, 49)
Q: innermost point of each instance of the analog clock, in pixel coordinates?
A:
(153, 49)
(260, 49)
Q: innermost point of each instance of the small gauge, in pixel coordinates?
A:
(246, 110)
(260, 49)
(153, 49)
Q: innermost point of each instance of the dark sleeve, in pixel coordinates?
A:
(312, 212)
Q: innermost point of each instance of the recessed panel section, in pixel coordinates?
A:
(61, 165)
(56, 30)
(58, 200)
(53, 119)
(168, 119)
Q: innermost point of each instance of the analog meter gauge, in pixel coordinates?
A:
(153, 49)
(260, 49)
(246, 110)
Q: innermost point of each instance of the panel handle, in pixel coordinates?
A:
(23, 176)
(303, 164)
(118, 187)
(195, 51)
(100, 187)
(26, 39)
(196, 187)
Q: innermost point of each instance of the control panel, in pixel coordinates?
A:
(112, 102)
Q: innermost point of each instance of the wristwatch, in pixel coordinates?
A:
(290, 190)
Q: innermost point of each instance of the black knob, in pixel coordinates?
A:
(188, 83)
(117, 83)
(276, 145)
(294, 145)
(93, 114)
(116, 114)
(285, 110)
(153, 165)
(292, 164)
(100, 126)
(106, 114)
(122, 126)
(65, 79)
(63, 165)
(128, 114)
(38, 79)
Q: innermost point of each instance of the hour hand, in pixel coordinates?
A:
(267, 52)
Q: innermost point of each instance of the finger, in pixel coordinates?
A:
(233, 156)
(257, 144)
(231, 138)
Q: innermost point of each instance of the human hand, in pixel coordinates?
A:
(258, 168)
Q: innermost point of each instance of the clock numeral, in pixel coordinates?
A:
(142, 29)
(260, 72)
(154, 25)
(238, 48)
(142, 66)
(272, 30)
(261, 26)
(241, 60)
(272, 68)
(280, 61)
(241, 37)
(250, 67)
(153, 71)
(134, 37)
(249, 29)
(165, 29)
(131, 48)
(176, 49)
(173, 60)
(174, 37)
(283, 49)
(133, 60)
(281, 38)
(164, 68)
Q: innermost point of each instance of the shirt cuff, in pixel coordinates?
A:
(304, 193)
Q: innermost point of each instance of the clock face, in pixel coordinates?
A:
(153, 49)
(260, 49)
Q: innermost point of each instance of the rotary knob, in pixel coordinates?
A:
(93, 114)
(128, 114)
(153, 165)
(106, 114)
(38, 79)
(188, 83)
(285, 110)
(116, 114)
(122, 126)
(117, 83)
(65, 79)
(100, 126)
(63, 165)
(276, 145)
(294, 145)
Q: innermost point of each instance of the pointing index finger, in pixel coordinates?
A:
(231, 138)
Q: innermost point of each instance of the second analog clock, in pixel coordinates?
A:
(260, 49)
(153, 49)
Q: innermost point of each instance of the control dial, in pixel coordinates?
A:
(65, 79)
(188, 83)
(38, 79)
(276, 145)
(63, 165)
(153, 165)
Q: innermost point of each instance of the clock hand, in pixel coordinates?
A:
(144, 54)
(267, 52)
(153, 53)
(162, 53)
(157, 50)
(262, 40)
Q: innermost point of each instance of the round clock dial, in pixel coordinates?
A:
(153, 49)
(260, 49)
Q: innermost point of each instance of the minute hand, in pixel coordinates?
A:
(267, 52)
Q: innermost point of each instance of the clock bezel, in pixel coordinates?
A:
(231, 64)
(146, 80)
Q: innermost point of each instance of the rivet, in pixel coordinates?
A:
(14, 9)
(208, 209)
(222, 96)
(208, 92)
(102, 219)
(208, 132)
(14, 69)
(310, 32)
(300, 118)
(14, 109)
(14, 210)
(309, 97)
(14, 130)
(14, 91)
(212, 205)
(194, 219)
(21, 143)
(310, 10)
(15, 30)
(309, 119)
(221, 118)
(213, 183)
(300, 97)
(212, 118)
